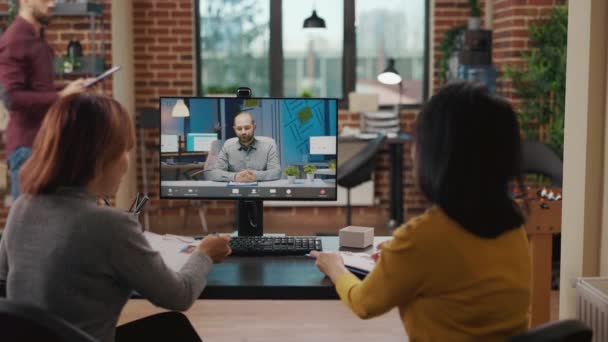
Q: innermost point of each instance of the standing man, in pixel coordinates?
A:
(246, 158)
(26, 73)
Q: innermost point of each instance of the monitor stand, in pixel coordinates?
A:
(250, 217)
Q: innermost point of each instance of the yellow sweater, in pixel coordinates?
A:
(448, 284)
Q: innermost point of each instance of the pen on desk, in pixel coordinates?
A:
(134, 203)
(105, 200)
(141, 204)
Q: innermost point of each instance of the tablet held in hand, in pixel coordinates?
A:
(102, 76)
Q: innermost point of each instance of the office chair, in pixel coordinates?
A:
(559, 331)
(541, 159)
(358, 169)
(21, 322)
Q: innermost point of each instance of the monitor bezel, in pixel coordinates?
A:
(307, 199)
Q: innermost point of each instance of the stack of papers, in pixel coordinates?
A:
(232, 183)
(358, 263)
(174, 249)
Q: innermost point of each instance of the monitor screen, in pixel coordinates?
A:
(249, 148)
(169, 143)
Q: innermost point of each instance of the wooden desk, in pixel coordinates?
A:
(181, 168)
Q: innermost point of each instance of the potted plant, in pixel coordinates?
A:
(309, 170)
(332, 164)
(475, 15)
(541, 83)
(291, 172)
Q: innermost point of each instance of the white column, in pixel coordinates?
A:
(585, 181)
(489, 14)
(123, 85)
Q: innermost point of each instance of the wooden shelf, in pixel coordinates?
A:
(78, 9)
(89, 65)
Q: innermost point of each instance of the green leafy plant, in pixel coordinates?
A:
(541, 83)
(306, 93)
(291, 171)
(309, 169)
(13, 10)
(332, 164)
(474, 6)
(448, 45)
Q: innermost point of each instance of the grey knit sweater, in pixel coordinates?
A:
(63, 253)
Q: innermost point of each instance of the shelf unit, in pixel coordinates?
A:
(92, 64)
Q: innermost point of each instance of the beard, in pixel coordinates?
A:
(42, 18)
(245, 139)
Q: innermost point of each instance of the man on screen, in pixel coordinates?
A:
(246, 158)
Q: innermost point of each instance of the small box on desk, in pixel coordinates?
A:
(356, 237)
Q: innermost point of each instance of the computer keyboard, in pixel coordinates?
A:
(263, 245)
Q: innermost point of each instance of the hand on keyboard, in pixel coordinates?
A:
(215, 246)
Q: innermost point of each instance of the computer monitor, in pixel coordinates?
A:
(251, 149)
(200, 142)
(169, 143)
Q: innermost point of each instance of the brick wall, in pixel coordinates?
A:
(510, 22)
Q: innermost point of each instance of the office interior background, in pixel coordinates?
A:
(162, 45)
(236, 44)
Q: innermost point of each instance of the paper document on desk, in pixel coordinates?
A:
(359, 263)
(174, 249)
(242, 183)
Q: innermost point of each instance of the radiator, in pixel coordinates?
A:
(592, 305)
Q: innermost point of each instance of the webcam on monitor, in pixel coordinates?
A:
(244, 92)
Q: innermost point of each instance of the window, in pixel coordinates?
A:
(391, 29)
(235, 40)
(312, 58)
(234, 37)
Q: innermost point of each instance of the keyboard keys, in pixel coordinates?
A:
(261, 246)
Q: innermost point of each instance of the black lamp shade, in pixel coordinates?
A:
(314, 21)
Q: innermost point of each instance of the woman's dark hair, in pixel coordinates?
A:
(80, 135)
(468, 153)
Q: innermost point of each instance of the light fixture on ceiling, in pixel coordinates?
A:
(180, 110)
(314, 21)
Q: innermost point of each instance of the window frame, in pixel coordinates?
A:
(349, 53)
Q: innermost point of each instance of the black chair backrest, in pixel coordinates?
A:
(359, 168)
(20, 322)
(149, 118)
(540, 158)
(559, 331)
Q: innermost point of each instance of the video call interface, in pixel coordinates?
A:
(231, 148)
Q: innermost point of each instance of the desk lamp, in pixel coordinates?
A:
(391, 76)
